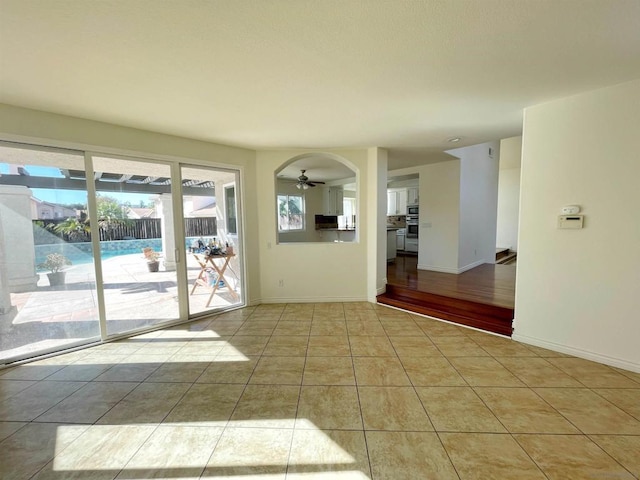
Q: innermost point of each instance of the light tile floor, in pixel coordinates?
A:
(324, 391)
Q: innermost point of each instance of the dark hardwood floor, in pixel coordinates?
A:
(482, 297)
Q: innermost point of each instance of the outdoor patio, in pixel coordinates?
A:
(49, 317)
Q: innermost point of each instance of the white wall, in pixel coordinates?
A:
(478, 204)
(578, 290)
(439, 207)
(509, 193)
(24, 125)
(313, 272)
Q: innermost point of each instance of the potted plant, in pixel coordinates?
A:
(152, 259)
(55, 262)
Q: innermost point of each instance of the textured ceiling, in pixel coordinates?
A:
(401, 74)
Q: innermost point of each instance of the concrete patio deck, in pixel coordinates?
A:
(50, 317)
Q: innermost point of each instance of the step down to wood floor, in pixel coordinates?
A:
(465, 312)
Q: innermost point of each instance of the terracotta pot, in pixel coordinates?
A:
(153, 266)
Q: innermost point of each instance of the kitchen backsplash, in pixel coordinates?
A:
(399, 221)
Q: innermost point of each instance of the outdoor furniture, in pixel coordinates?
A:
(208, 262)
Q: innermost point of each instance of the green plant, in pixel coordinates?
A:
(150, 254)
(55, 262)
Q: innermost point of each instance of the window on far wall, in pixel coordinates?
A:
(290, 213)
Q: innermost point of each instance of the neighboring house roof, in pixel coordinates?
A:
(133, 212)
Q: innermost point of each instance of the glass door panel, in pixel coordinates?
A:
(137, 246)
(47, 280)
(214, 257)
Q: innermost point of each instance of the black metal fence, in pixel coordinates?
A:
(141, 228)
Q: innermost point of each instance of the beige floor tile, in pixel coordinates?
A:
(484, 372)
(393, 408)
(9, 428)
(570, 456)
(625, 449)
(206, 404)
(297, 316)
(458, 409)
(480, 456)
(513, 349)
(229, 369)
(250, 453)
(28, 450)
(328, 326)
(419, 346)
(101, 450)
(589, 412)
(592, 374)
(200, 348)
(546, 353)
(432, 371)
(371, 346)
(329, 371)
(522, 411)
(272, 406)
(234, 348)
(328, 455)
(436, 328)
(297, 327)
(408, 456)
(278, 371)
(287, 345)
(328, 346)
(9, 388)
(382, 371)
(329, 407)
(128, 372)
(368, 315)
(624, 398)
(89, 403)
(35, 400)
(258, 328)
(148, 403)
(187, 372)
(173, 451)
(403, 328)
(632, 375)
(81, 373)
(465, 348)
(537, 372)
(31, 371)
(357, 326)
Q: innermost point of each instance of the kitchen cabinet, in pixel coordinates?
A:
(391, 245)
(397, 201)
(413, 195)
(332, 201)
(411, 245)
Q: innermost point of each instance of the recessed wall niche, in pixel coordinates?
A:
(316, 200)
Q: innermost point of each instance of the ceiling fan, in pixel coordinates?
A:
(304, 183)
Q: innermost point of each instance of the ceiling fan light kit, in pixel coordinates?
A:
(304, 183)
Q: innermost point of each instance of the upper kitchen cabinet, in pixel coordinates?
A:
(413, 195)
(397, 201)
(332, 201)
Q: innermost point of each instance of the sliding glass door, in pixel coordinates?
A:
(214, 268)
(48, 295)
(95, 246)
(137, 248)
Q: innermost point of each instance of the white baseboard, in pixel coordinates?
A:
(434, 268)
(314, 299)
(577, 352)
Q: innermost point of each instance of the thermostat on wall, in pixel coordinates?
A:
(570, 221)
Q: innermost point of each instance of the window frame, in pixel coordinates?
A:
(302, 213)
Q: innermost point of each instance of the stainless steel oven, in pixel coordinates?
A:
(412, 230)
